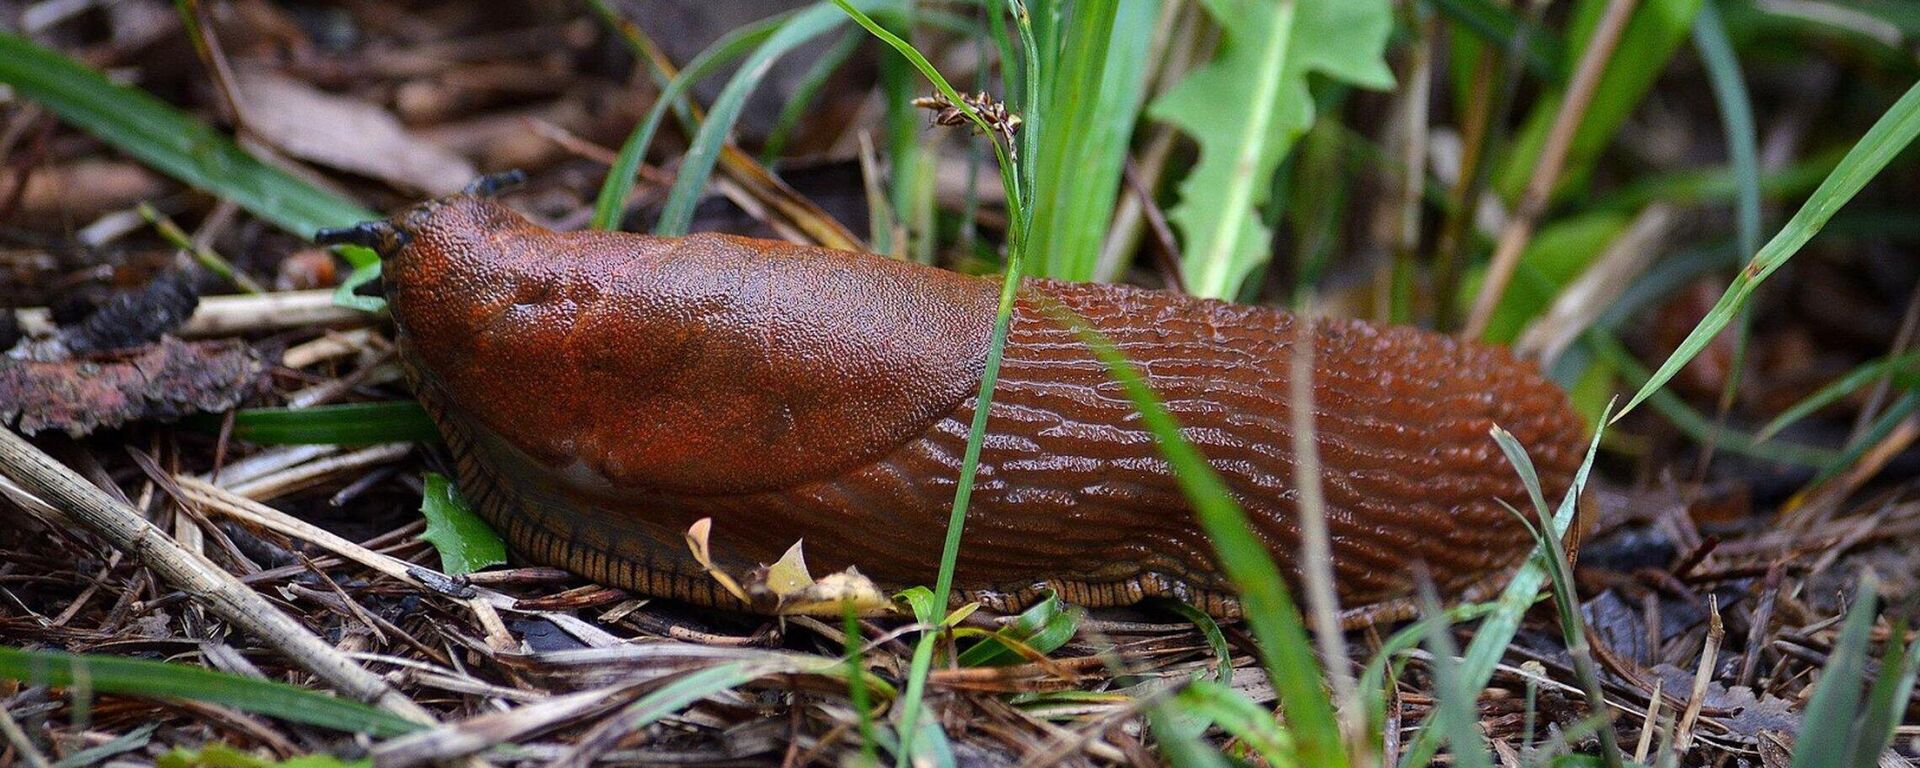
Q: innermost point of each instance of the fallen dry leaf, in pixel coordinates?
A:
(347, 134)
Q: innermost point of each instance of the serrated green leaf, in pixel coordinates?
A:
(1246, 108)
(465, 542)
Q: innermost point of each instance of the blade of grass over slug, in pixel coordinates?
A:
(465, 542)
(1290, 658)
(395, 421)
(1888, 136)
(157, 679)
(922, 661)
(813, 21)
(169, 140)
(1523, 589)
(610, 205)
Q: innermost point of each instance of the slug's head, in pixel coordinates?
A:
(442, 222)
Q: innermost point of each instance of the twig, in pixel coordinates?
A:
(228, 315)
(59, 487)
(1553, 158)
(18, 738)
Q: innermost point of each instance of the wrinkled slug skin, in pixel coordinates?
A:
(603, 391)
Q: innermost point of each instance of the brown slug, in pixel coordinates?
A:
(602, 391)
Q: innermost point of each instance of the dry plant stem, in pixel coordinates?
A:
(1649, 723)
(315, 471)
(484, 604)
(1413, 155)
(480, 732)
(1546, 174)
(1583, 301)
(1316, 551)
(1716, 632)
(1167, 255)
(29, 754)
(40, 475)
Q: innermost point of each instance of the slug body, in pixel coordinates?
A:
(601, 392)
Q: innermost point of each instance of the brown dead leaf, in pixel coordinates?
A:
(162, 382)
(345, 133)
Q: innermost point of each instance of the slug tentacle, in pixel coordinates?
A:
(603, 391)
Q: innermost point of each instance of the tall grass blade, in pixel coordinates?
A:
(157, 679)
(1830, 714)
(1888, 136)
(1100, 81)
(813, 21)
(1497, 630)
(922, 661)
(169, 140)
(610, 205)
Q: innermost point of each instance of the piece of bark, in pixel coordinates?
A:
(162, 382)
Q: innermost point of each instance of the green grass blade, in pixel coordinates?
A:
(1077, 162)
(1886, 703)
(813, 21)
(395, 421)
(922, 660)
(174, 143)
(169, 140)
(1882, 426)
(804, 93)
(1836, 699)
(1216, 639)
(1491, 638)
(465, 542)
(1904, 367)
(1271, 613)
(157, 679)
(1888, 136)
(611, 203)
(1234, 713)
(1736, 121)
(1455, 708)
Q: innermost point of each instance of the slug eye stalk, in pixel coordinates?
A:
(380, 235)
